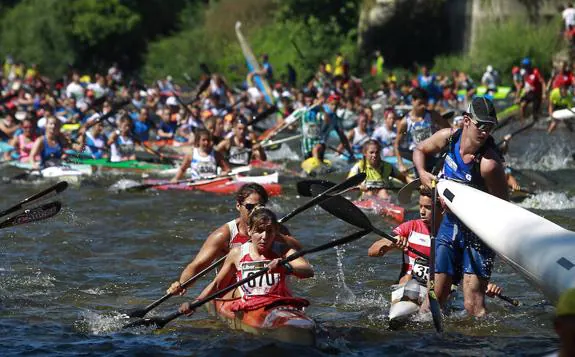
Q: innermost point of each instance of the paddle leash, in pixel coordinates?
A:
(160, 322)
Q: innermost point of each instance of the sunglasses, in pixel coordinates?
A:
(250, 206)
(483, 126)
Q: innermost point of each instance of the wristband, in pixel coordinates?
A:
(288, 268)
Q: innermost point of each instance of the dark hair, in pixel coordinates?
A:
(249, 189)
(261, 217)
(200, 133)
(370, 142)
(427, 192)
(419, 93)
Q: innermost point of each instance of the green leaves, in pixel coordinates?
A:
(94, 20)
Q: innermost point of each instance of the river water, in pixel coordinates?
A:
(63, 282)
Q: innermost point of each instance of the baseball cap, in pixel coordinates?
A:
(481, 109)
(566, 304)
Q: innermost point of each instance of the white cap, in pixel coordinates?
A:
(489, 68)
(21, 115)
(172, 101)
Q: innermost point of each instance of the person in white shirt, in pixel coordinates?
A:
(74, 89)
(569, 16)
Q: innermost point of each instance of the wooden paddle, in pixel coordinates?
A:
(160, 322)
(141, 312)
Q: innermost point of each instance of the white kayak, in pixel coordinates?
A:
(262, 180)
(542, 251)
(84, 169)
(406, 299)
(564, 114)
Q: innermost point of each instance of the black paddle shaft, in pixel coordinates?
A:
(50, 191)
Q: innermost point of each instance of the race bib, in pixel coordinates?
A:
(420, 270)
(261, 285)
(238, 156)
(311, 130)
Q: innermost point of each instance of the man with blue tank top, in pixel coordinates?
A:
(470, 156)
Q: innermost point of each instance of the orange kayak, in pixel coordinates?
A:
(284, 322)
(381, 207)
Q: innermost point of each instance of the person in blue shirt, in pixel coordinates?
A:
(142, 125)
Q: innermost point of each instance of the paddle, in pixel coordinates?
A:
(304, 187)
(518, 131)
(160, 322)
(434, 305)
(348, 212)
(141, 312)
(261, 116)
(350, 182)
(268, 144)
(404, 194)
(145, 186)
(42, 212)
(43, 195)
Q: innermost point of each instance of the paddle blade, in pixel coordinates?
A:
(404, 195)
(343, 209)
(304, 187)
(435, 310)
(33, 215)
(157, 322)
(138, 312)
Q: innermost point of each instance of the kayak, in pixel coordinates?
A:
(381, 207)
(540, 250)
(84, 169)
(285, 323)
(501, 93)
(129, 165)
(564, 114)
(224, 185)
(406, 299)
(313, 166)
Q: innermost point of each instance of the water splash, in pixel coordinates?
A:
(549, 200)
(100, 324)
(344, 295)
(285, 152)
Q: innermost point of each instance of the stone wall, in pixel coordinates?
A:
(437, 26)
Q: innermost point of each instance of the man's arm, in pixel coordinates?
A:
(429, 146)
(214, 246)
(493, 173)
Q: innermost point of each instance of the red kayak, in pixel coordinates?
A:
(282, 322)
(381, 207)
(224, 186)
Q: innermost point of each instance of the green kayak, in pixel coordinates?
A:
(129, 165)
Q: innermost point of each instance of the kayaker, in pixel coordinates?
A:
(416, 233)
(386, 133)
(533, 90)
(560, 98)
(416, 126)
(259, 252)
(50, 147)
(232, 234)
(358, 135)
(23, 142)
(121, 142)
(564, 324)
(95, 141)
(470, 156)
(238, 147)
(204, 161)
(377, 171)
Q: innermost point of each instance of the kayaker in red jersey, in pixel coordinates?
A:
(416, 234)
(533, 89)
(261, 251)
(230, 235)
